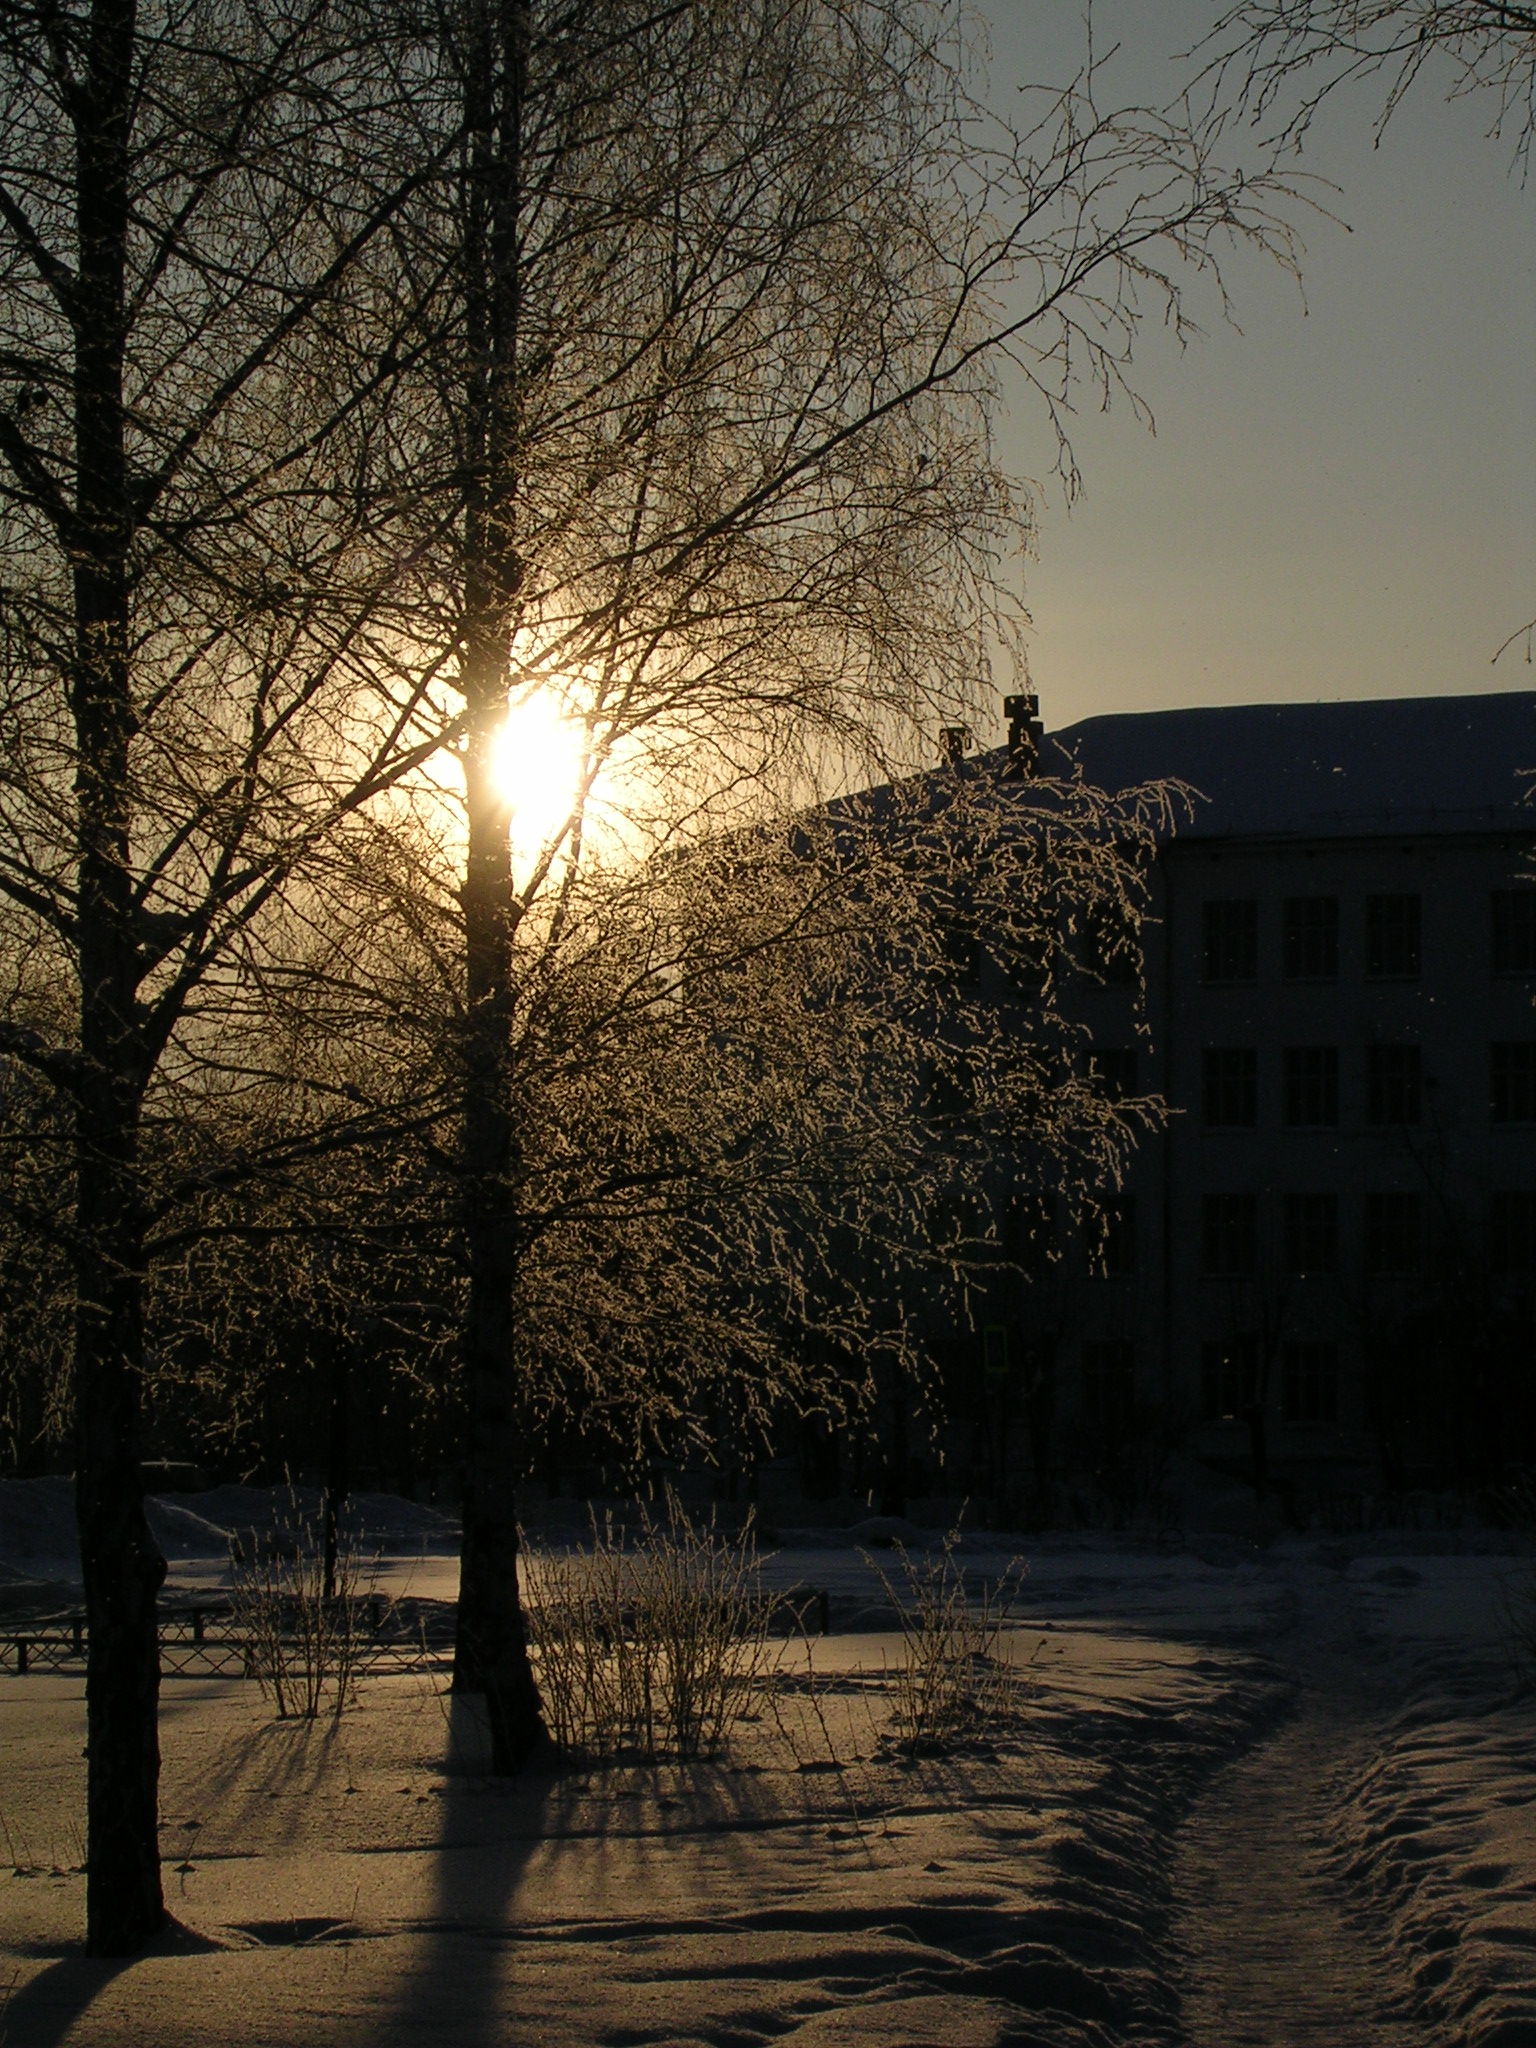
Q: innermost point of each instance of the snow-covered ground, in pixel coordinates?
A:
(1274, 1796)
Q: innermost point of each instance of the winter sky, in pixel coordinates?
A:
(1340, 499)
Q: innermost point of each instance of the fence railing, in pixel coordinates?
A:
(201, 1639)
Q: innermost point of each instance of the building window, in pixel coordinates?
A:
(1028, 965)
(1311, 1093)
(1029, 1230)
(1230, 1236)
(1312, 938)
(1310, 1383)
(1392, 1233)
(1392, 937)
(1229, 1378)
(1514, 931)
(1513, 1082)
(1111, 946)
(1512, 1232)
(1231, 939)
(1231, 1086)
(1112, 1238)
(1112, 1072)
(1109, 1381)
(952, 1087)
(962, 950)
(1311, 1234)
(1393, 1084)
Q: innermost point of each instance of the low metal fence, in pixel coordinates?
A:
(202, 1639)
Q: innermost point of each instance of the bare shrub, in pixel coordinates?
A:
(663, 1644)
(957, 1679)
(300, 1641)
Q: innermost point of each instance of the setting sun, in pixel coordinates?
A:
(539, 754)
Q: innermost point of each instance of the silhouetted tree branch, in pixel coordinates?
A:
(1288, 56)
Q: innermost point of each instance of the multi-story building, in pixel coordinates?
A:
(1330, 1255)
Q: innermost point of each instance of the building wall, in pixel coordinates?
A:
(1407, 1342)
(1371, 1107)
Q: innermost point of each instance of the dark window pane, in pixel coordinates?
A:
(1112, 1238)
(1392, 936)
(963, 952)
(1112, 1070)
(1514, 931)
(1027, 963)
(952, 1089)
(1109, 1382)
(1393, 1084)
(1312, 938)
(1310, 1383)
(1392, 1227)
(1231, 940)
(1512, 1232)
(1311, 1233)
(1231, 1085)
(1311, 1084)
(1229, 1378)
(1229, 1236)
(1111, 946)
(1513, 1082)
(1029, 1230)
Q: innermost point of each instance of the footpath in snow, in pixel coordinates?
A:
(1281, 1796)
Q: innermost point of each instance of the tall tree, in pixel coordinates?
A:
(491, 59)
(193, 691)
(716, 298)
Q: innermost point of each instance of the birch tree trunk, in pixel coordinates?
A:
(122, 1567)
(491, 1651)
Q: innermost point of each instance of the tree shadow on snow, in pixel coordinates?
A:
(460, 1977)
(45, 2010)
(492, 1969)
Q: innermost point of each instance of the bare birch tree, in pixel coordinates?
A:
(191, 692)
(710, 315)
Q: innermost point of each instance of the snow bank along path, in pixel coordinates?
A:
(1368, 1874)
(1434, 1827)
(1074, 1884)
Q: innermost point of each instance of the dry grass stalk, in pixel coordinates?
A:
(300, 1642)
(658, 1646)
(957, 1680)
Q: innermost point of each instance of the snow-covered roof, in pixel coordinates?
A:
(1426, 764)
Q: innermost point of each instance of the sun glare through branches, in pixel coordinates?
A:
(540, 760)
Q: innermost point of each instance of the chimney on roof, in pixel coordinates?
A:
(1025, 732)
(957, 742)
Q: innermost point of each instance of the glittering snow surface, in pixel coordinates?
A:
(1255, 1796)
